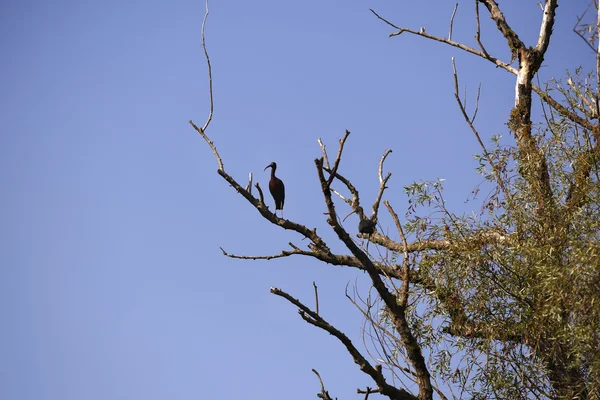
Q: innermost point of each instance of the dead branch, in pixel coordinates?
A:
(316, 298)
(355, 198)
(514, 43)
(452, 43)
(260, 194)
(211, 144)
(202, 130)
(375, 373)
(310, 234)
(324, 151)
(336, 164)
(478, 30)
(578, 33)
(470, 121)
(397, 312)
(478, 238)
(505, 66)
(324, 393)
(210, 81)
(382, 185)
(452, 21)
(340, 260)
(405, 264)
(249, 185)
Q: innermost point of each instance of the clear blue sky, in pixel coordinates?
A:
(112, 284)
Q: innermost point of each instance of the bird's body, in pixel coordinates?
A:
(277, 188)
(366, 226)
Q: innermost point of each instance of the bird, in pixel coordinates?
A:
(366, 226)
(276, 188)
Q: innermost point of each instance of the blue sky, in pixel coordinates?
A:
(112, 284)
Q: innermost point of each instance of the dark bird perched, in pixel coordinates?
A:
(366, 226)
(276, 188)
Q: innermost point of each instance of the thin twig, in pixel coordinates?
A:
(316, 298)
(338, 158)
(284, 253)
(476, 103)
(324, 395)
(478, 31)
(592, 108)
(210, 81)
(210, 143)
(565, 112)
(452, 43)
(260, 193)
(579, 19)
(382, 185)
(349, 185)
(452, 21)
(495, 168)
(324, 151)
(405, 263)
(249, 186)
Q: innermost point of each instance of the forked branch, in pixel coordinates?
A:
(374, 372)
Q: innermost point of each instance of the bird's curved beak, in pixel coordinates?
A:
(351, 212)
(267, 167)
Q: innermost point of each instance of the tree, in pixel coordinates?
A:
(501, 303)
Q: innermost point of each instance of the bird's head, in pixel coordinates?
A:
(272, 165)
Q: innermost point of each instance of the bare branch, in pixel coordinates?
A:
(367, 391)
(382, 185)
(284, 223)
(375, 373)
(316, 298)
(249, 185)
(397, 312)
(340, 260)
(506, 66)
(478, 30)
(579, 19)
(514, 43)
(495, 168)
(260, 193)
(210, 143)
(387, 152)
(337, 159)
(452, 21)
(481, 238)
(405, 264)
(284, 253)
(351, 188)
(546, 27)
(452, 43)
(324, 393)
(210, 82)
(324, 151)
